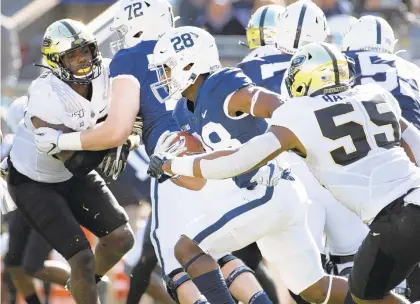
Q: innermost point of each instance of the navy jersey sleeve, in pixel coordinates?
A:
(126, 62)
(252, 69)
(184, 118)
(223, 83)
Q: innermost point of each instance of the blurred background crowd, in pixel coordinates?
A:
(23, 23)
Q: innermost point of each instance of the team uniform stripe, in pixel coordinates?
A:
(378, 32)
(71, 29)
(335, 64)
(299, 26)
(262, 20)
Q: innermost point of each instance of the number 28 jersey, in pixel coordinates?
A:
(352, 143)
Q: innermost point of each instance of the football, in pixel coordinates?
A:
(192, 143)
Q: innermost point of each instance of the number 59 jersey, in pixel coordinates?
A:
(352, 143)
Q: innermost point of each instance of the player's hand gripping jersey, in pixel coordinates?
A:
(352, 142)
(396, 75)
(157, 117)
(55, 102)
(216, 127)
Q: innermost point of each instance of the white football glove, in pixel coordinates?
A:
(266, 178)
(165, 145)
(46, 140)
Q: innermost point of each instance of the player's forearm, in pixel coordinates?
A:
(229, 163)
(190, 183)
(102, 137)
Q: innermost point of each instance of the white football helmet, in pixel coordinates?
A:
(138, 20)
(370, 33)
(301, 23)
(339, 26)
(179, 57)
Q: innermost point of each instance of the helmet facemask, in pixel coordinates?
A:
(87, 71)
(172, 79)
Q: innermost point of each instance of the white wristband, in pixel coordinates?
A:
(183, 166)
(70, 141)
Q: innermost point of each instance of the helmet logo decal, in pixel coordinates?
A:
(299, 60)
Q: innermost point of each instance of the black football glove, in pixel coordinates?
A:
(115, 161)
(155, 167)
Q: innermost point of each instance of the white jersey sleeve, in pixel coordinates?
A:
(44, 102)
(16, 111)
(294, 116)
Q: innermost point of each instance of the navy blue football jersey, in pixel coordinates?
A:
(393, 73)
(157, 117)
(217, 129)
(185, 119)
(267, 72)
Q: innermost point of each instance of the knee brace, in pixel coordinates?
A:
(226, 259)
(188, 264)
(339, 265)
(235, 273)
(172, 285)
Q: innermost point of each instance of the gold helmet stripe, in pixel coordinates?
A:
(70, 29)
(299, 26)
(335, 64)
(262, 20)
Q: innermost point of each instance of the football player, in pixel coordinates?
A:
(187, 61)
(370, 43)
(57, 193)
(358, 146)
(27, 251)
(303, 22)
(139, 24)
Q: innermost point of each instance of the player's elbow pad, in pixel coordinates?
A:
(252, 153)
(411, 136)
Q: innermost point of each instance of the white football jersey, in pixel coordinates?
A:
(352, 143)
(55, 102)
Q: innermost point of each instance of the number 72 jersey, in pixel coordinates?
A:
(352, 143)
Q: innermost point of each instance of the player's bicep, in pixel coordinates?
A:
(256, 101)
(125, 103)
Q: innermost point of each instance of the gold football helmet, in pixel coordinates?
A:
(261, 29)
(317, 68)
(62, 38)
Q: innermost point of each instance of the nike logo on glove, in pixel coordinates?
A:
(53, 147)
